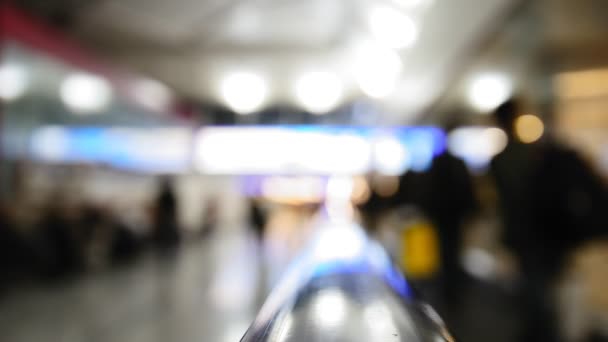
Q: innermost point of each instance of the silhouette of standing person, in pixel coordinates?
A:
(547, 194)
(166, 231)
(451, 200)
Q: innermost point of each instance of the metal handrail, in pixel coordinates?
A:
(345, 288)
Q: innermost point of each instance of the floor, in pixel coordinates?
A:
(207, 291)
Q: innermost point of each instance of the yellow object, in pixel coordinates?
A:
(419, 250)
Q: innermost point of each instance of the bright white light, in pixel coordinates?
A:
(340, 187)
(392, 28)
(377, 70)
(477, 145)
(338, 198)
(279, 151)
(50, 143)
(86, 93)
(13, 81)
(332, 154)
(318, 92)
(244, 92)
(329, 308)
(349, 239)
(488, 91)
(152, 94)
(390, 156)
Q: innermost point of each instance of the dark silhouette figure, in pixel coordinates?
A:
(166, 231)
(16, 256)
(257, 219)
(61, 252)
(210, 218)
(550, 202)
(451, 199)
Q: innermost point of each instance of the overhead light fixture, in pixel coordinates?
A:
(152, 94)
(318, 91)
(13, 81)
(392, 27)
(377, 70)
(488, 91)
(86, 93)
(244, 92)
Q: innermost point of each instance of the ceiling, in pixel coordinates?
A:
(541, 39)
(191, 44)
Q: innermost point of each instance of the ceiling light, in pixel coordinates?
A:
(152, 94)
(392, 28)
(244, 92)
(318, 92)
(13, 81)
(488, 91)
(377, 70)
(85, 93)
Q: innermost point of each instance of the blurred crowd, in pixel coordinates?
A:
(62, 238)
(549, 202)
(550, 205)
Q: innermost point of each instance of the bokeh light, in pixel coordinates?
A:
(13, 81)
(377, 70)
(318, 91)
(390, 156)
(488, 91)
(86, 93)
(244, 92)
(529, 128)
(392, 27)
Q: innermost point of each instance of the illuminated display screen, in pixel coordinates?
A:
(240, 150)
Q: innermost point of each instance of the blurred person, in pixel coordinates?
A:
(550, 203)
(450, 201)
(166, 231)
(210, 217)
(257, 219)
(374, 208)
(124, 244)
(16, 257)
(61, 251)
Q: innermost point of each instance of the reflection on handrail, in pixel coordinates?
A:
(344, 287)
